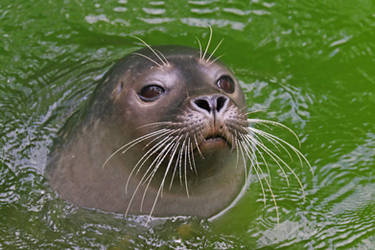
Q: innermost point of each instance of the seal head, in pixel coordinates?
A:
(159, 136)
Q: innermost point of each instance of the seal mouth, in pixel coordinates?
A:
(214, 138)
(214, 142)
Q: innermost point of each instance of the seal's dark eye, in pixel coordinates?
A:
(226, 83)
(150, 93)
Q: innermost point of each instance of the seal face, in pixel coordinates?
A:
(160, 136)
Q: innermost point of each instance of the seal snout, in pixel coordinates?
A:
(213, 108)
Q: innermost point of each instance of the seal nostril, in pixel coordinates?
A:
(203, 104)
(220, 102)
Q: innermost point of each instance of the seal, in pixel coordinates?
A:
(165, 133)
(157, 137)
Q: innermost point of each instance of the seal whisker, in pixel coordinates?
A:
(131, 144)
(280, 142)
(142, 181)
(271, 192)
(259, 172)
(153, 150)
(175, 148)
(249, 150)
(193, 158)
(145, 157)
(215, 59)
(197, 147)
(148, 58)
(166, 136)
(249, 145)
(160, 158)
(177, 163)
(200, 48)
(253, 112)
(208, 44)
(253, 141)
(165, 63)
(185, 167)
(276, 124)
(254, 163)
(256, 168)
(181, 156)
(161, 186)
(242, 148)
(143, 138)
(275, 158)
(165, 123)
(235, 142)
(265, 123)
(162, 55)
(264, 160)
(213, 52)
(170, 132)
(274, 142)
(190, 156)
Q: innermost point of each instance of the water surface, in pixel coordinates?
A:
(308, 64)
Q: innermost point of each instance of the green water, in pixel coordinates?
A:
(308, 64)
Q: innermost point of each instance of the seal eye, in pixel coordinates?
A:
(226, 83)
(150, 93)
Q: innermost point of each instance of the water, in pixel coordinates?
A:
(309, 64)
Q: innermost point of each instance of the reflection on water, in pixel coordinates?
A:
(307, 64)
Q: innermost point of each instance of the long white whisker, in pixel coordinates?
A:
(235, 142)
(185, 169)
(243, 157)
(166, 123)
(176, 163)
(160, 158)
(170, 133)
(256, 168)
(181, 156)
(133, 143)
(276, 159)
(200, 48)
(215, 59)
(152, 50)
(274, 142)
(148, 58)
(197, 146)
(208, 44)
(276, 124)
(254, 164)
(146, 156)
(160, 190)
(165, 60)
(260, 144)
(193, 158)
(277, 139)
(273, 198)
(213, 52)
(141, 182)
